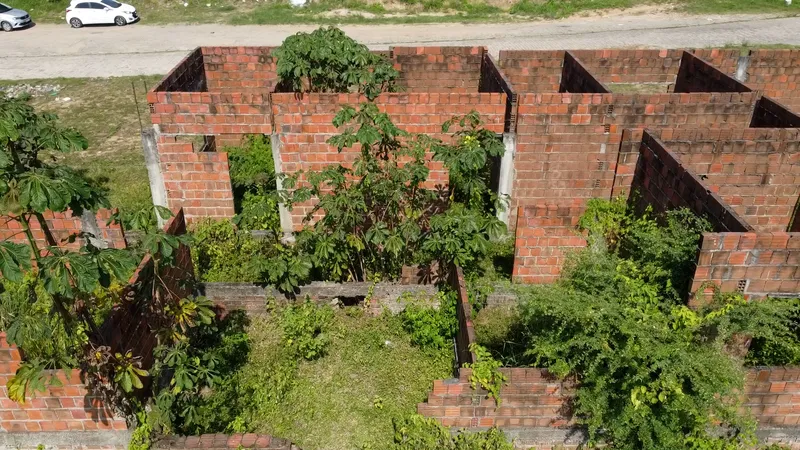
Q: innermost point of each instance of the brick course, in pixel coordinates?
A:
(69, 407)
(777, 74)
(696, 75)
(755, 264)
(664, 183)
(62, 226)
(225, 442)
(545, 233)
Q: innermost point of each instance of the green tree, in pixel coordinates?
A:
(72, 283)
(380, 213)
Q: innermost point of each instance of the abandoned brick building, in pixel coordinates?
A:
(709, 129)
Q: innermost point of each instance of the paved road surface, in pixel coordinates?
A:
(46, 51)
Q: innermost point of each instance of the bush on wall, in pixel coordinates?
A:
(652, 373)
(327, 60)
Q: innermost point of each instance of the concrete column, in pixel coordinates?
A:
(741, 68)
(90, 227)
(151, 159)
(506, 181)
(283, 211)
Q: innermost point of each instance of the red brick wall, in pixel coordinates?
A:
(755, 264)
(69, 407)
(771, 114)
(696, 75)
(544, 233)
(439, 69)
(534, 398)
(305, 126)
(62, 226)
(125, 330)
(777, 74)
(187, 76)
(225, 442)
(575, 78)
(755, 171)
(198, 182)
(773, 395)
(567, 144)
(662, 182)
(532, 70)
(210, 113)
(531, 398)
(465, 335)
(632, 66)
(239, 69)
(725, 60)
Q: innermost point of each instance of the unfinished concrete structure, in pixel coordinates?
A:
(719, 122)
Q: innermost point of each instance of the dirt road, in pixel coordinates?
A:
(46, 51)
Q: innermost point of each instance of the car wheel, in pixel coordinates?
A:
(120, 21)
(75, 22)
(6, 26)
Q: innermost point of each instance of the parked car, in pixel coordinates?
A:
(82, 12)
(12, 18)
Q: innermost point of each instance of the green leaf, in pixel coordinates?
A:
(14, 258)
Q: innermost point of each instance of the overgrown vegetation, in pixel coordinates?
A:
(419, 433)
(57, 296)
(379, 214)
(653, 373)
(323, 378)
(327, 60)
(252, 171)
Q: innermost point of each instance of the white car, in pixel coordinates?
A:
(11, 18)
(82, 12)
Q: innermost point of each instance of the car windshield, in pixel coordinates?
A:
(4, 8)
(110, 3)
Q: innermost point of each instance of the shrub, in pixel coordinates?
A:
(186, 376)
(378, 216)
(306, 328)
(252, 172)
(664, 247)
(651, 373)
(223, 253)
(327, 60)
(485, 372)
(772, 324)
(26, 315)
(419, 433)
(429, 327)
(498, 330)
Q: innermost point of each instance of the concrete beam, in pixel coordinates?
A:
(66, 439)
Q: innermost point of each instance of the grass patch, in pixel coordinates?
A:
(637, 88)
(740, 7)
(370, 374)
(556, 9)
(103, 110)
